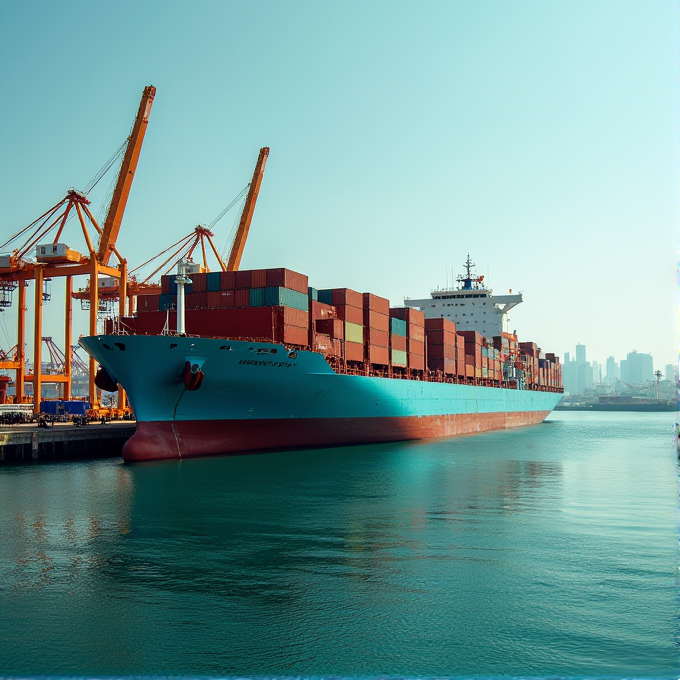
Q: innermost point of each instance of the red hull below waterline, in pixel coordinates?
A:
(193, 438)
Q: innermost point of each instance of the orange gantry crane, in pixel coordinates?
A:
(55, 259)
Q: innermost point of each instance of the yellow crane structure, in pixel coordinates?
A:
(55, 259)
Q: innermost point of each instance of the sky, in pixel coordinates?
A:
(539, 136)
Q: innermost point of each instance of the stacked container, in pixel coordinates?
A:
(349, 308)
(376, 329)
(442, 351)
(398, 343)
(415, 335)
(473, 353)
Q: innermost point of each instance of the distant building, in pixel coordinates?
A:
(566, 358)
(640, 368)
(570, 377)
(580, 354)
(670, 372)
(597, 373)
(612, 374)
(623, 371)
(585, 375)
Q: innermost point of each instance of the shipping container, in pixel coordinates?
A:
(320, 310)
(440, 337)
(199, 283)
(286, 297)
(287, 278)
(312, 293)
(440, 324)
(398, 357)
(334, 328)
(195, 300)
(408, 314)
(227, 280)
(377, 337)
(378, 355)
(397, 326)
(258, 278)
(416, 332)
(442, 351)
(351, 314)
(375, 303)
(376, 320)
(416, 347)
(220, 299)
(354, 332)
(398, 342)
(148, 303)
(341, 296)
(256, 297)
(242, 297)
(213, 281)
(416, 361)
(471, 337)
(354, 351)
(243, 279)
(444, 365)
(167, 301)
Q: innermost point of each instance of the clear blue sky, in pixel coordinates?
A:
(540, 136)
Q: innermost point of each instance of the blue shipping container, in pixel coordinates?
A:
(284, 297)
(212, 282)
(257, 297)
(313, 294)
(326, 296)
(398, 327)
(167, 301)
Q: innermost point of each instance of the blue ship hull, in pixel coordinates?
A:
(258, 396)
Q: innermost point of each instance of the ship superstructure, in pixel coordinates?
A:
(471, 305)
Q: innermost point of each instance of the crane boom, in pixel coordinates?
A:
(247, 214)
(107, 240)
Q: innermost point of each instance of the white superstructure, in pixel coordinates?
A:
(471, 306)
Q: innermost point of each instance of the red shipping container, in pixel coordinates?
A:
(286, 278)
(376, 337)
(346, 296)
(416, 361)
(351, 314)
(227, 280)
(469, 371)
(354, 351)
(243, 279)
(373, 319)
(398, 342)
(416, 332)
(416, 347)
(258, 278)
(440, 324)
(320, 310)
(378, 355)
(334, 328)
(376, 304)
(220, 299)
(408, 314)
(148, 303)
(199, 283)
(294, 335)
(294, 317)
(442, 352)
(440, 337)
(439, 364)
(242, 297)
(471, 337)
(196, 300)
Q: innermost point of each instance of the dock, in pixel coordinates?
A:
(63, 441)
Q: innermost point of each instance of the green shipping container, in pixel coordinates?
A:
(257, 297)
(313, 294)
(212, 281)
(284, 297)
(354, 332)
(398, 327)
(398, 357)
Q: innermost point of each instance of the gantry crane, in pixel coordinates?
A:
(56, 259)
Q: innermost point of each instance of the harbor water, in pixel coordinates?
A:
(548, 551)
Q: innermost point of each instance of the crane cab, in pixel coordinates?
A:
(56, 252)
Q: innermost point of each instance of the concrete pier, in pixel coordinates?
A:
(63, 441)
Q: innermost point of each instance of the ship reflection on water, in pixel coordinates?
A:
(510, 552)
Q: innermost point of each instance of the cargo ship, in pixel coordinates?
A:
(259, 361)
